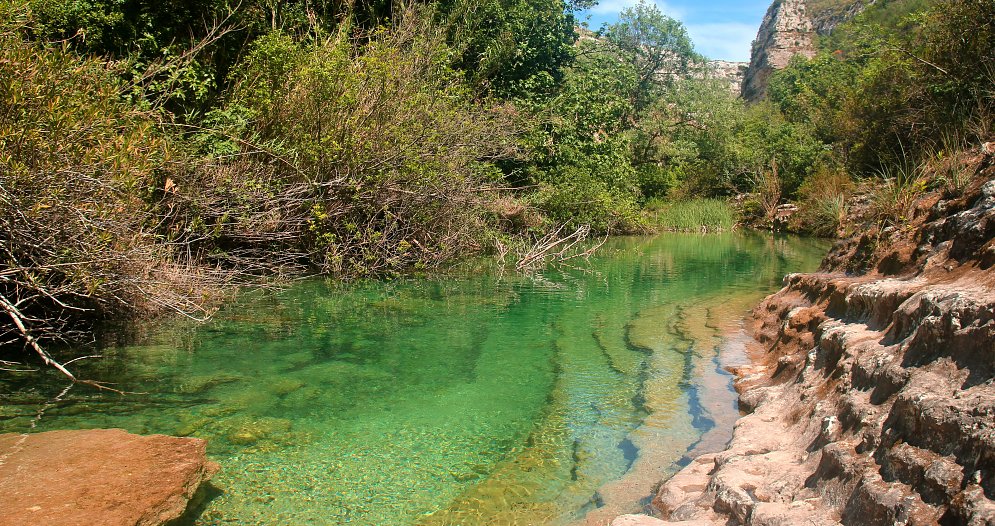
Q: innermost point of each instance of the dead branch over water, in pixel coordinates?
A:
(555, 247)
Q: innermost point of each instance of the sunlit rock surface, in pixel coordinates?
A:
(105, 477)
(790, 28)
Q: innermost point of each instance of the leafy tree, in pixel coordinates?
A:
(764, 139)
(904, 76)
(512, 48)
(684, 139)
(580, 148)
(954, 59)
(815, 92)
(657, 45)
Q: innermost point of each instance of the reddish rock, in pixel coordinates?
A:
(104, 477)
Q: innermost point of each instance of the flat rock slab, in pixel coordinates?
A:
(105, 477)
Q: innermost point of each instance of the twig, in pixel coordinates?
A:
(18, 319)
(919, 59)
(554, 247)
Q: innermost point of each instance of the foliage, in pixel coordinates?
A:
(586, 150)
(513, 49)
(149, 37)
(381, 156)
(326, 156)
(768, 139)
(684, 141)
(579, 150)
(700, 140)
(900, 77)
(896, 93)
(899, 187)
(656, 45)
(80, 172)
(824, 203)
(813, 92)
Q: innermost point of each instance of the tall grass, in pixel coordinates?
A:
(824, 203)
(696, 215)
(896, 190)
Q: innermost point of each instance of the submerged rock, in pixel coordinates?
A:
(247, 431)
(282, 386)
(199, 384)
(104, 477)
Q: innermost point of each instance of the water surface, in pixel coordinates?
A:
(474, 398)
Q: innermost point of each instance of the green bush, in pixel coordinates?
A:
(370, 159)
(824, 203)
(895, 81)
(895, 191)
(577, 199)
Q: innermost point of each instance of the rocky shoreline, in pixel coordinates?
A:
(870, 396)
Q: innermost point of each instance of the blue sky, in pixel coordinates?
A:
(721, 29)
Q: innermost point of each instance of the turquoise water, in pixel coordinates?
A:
(476, 398)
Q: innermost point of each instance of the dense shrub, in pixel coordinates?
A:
(824, 203)
(326, 157)
(897, 82)
(366, 160)
(80, 172)
(904, 85)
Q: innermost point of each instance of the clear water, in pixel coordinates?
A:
(477, 398)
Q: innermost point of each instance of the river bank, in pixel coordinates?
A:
(870, 399)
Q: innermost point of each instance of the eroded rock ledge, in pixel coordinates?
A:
(871, 397)
(105, 477)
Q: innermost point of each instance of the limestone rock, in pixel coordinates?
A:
(99, 477)
(731, 73)
(872, 397)
(788, 29)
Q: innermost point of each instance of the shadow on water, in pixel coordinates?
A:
(198, 503)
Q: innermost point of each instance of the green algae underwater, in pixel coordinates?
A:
(471, 398)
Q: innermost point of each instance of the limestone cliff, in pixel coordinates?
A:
(871, 399)
(728, 72)
(789, 28)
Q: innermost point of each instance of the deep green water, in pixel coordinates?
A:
(477, 398)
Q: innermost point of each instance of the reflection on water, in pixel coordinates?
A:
(471, 399)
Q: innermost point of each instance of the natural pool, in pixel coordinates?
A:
(474, 398)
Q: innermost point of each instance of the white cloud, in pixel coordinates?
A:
(614, 7)
(723, 41)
